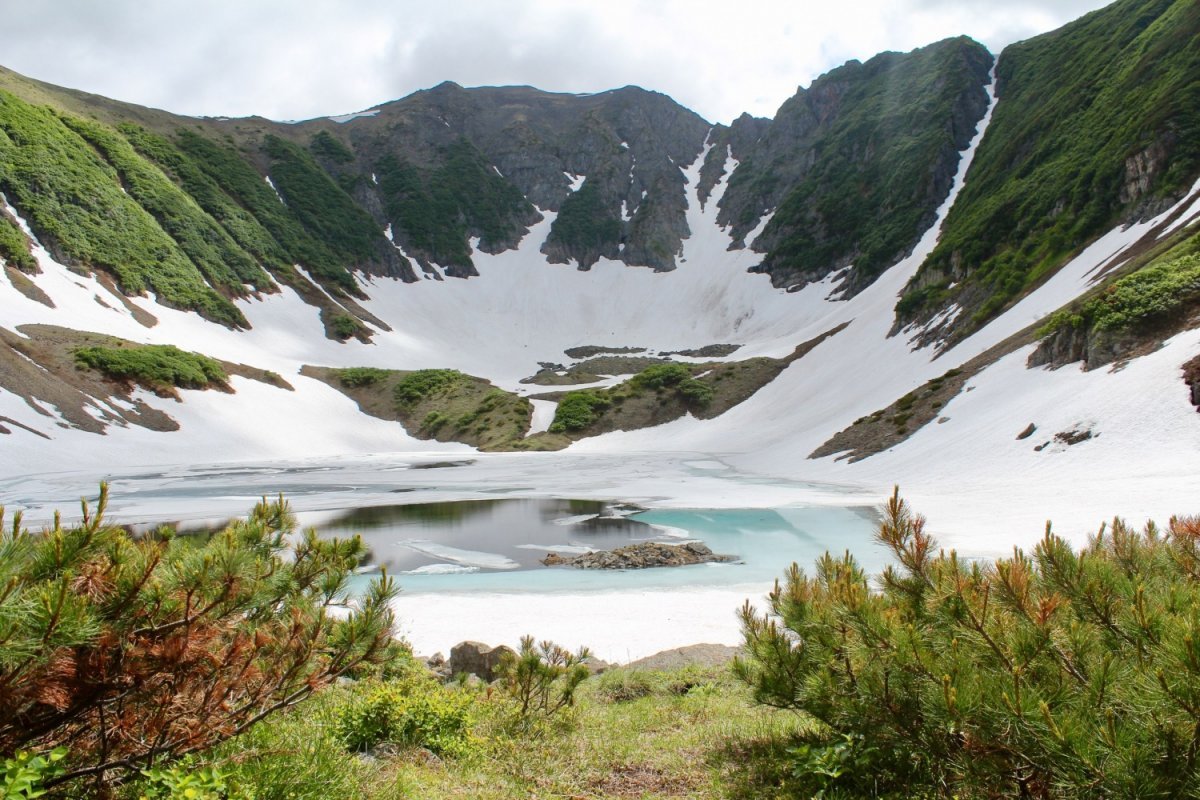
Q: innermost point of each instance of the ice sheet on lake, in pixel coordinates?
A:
(467, 558)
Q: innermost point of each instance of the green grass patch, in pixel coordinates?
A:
(154, 366)
(416, 386)
(361, 376)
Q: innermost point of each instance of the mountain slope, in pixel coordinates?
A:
(343, 243)
(855, 166)
(1098, 123)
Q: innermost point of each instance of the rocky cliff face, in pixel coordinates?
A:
(856, 165)
(454, 164)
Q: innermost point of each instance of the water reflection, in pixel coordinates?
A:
(487, 535)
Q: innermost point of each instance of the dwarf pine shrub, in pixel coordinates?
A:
(130, 652)
(1059, 673)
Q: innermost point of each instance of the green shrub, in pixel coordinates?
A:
(578, 410)
(154, 366)
(1077, 105)
(74, 203)
(22, 777)
(130, 651)
(344, 326)
(14, 246)
(416, 386)
(1060, 673)
(542, 678)
(586, 225)
(181, 782)
(417, 713)
(360, 376)
(696, 393)
(661, 376)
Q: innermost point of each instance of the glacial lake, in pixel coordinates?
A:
(496, 545)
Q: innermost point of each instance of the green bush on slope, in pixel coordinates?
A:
(154, 366)
(224, 264)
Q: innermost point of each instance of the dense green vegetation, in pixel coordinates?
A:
(224, 264)
(578, 410)
(659, 392)
(586, 226)
(416, 386)
(1116, 90)
(327, 147)
(872, 188)
(14, 246)
(1053, 674)
(1061, 674)
(129, 652)
(435, 211)
(237, 177)
(73, 201)
(154, 366)
(1150, 294)
(361, 376)
(245, 229)
(689, 733)
(322, 207)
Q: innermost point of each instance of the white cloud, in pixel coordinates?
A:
(289, 60)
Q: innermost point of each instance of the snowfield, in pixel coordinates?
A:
(983, 490)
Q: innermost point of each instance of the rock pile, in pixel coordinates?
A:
(640, 556)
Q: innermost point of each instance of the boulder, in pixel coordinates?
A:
(704, 655)
(478, 659)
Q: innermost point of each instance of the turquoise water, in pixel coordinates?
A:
(494, 545)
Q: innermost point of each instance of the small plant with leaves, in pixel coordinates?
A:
(542, 678)
(23, 776)
(181, 782)
(414, 713)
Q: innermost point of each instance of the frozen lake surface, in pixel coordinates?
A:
(463, 535)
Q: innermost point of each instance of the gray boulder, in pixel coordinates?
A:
(478, 659)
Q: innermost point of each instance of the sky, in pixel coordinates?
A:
(297, 59)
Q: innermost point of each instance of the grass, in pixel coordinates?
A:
(692, 733)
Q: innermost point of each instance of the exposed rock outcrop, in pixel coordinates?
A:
(478, 659)
(643, 555)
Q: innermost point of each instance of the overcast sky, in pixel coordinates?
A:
(295, 59)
